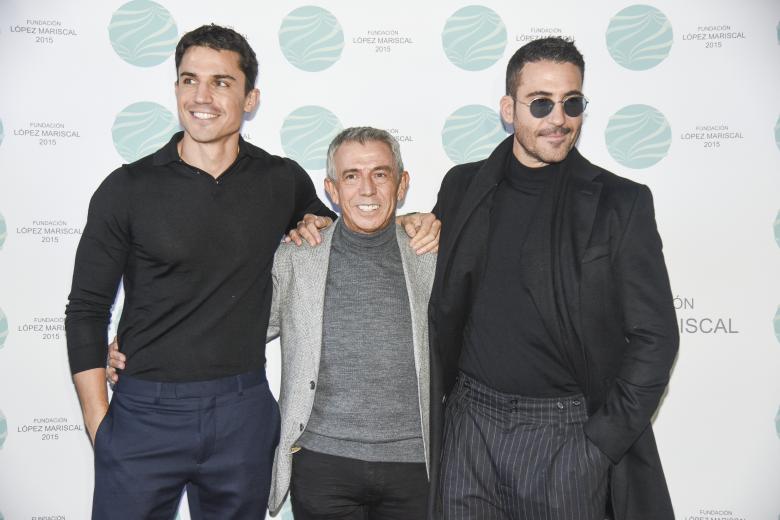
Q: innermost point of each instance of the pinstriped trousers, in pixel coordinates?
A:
(508, 457)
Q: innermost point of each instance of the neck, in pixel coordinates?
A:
(524, 158)
(363, 240)
(213, 158)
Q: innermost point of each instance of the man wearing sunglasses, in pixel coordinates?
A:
(550, 349)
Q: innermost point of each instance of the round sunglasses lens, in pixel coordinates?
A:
(541, 107)
(574, 106)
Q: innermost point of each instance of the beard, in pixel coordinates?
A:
(534, 145)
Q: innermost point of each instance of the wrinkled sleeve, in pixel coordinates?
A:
(306, 200)
(101, 257)
(650, 329)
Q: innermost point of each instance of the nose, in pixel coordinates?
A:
(367, 185)
(557, 116)
(203, 93)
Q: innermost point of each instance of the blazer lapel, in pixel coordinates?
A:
(310, 283)
(487, 178)
(417, 306)
(555, 246)
(418, 274)
(572, 229)
(580, 203)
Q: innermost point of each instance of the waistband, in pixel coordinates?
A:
(567, 409)
(223, 385)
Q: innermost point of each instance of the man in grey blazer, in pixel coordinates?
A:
(352, 317)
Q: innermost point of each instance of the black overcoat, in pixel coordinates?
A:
(603, 288)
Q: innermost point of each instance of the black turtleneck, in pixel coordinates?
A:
(506, 345)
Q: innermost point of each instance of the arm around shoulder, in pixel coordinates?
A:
(306, 199)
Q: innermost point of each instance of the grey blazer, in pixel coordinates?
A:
(299, 275)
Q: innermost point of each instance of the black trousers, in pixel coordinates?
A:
(329, 487)
(217, 437)
(519, 458)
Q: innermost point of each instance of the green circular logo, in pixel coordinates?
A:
(3, 328)
(777, 324)
(777, 228)
(306, 134)
(777, 423)
(311, 38)
(142, 128)
(639, 37)
(474, 38)
(471, 133)
(777, 133)
(3, 231)
(3, 429)
(143, 33)
(638, 136)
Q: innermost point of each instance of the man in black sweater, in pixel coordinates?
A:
(191, 230)
(552, 328)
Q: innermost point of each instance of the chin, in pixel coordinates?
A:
(555, 156)
(369, 227)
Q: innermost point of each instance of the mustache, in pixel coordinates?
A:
(555, 131)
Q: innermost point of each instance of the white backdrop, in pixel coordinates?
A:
(684, 97)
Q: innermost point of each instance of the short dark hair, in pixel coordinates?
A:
(221, 39)
(557, 49)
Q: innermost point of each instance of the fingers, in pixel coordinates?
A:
(111, 375)
(308, 229)
(116, 360)
(409, 227)
(294, 236)
(428, 247)
(310, 232)
(426, 239)
(411, 222)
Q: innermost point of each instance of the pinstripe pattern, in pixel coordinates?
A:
(519, 458)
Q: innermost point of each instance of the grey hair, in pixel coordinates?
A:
(363, 135)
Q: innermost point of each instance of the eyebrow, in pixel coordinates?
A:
(544, 93)
(223, 76)
(375, 168)
(215, 76)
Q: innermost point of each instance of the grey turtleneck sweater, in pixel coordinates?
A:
(366, 405)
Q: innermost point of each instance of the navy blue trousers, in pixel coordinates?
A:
(216, 436)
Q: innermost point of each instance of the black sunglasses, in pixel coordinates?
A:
(573, 106)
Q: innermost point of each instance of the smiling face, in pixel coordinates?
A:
(211, 96)
(367, 187)
(546, 140)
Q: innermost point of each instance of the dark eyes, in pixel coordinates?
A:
(218, 83)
